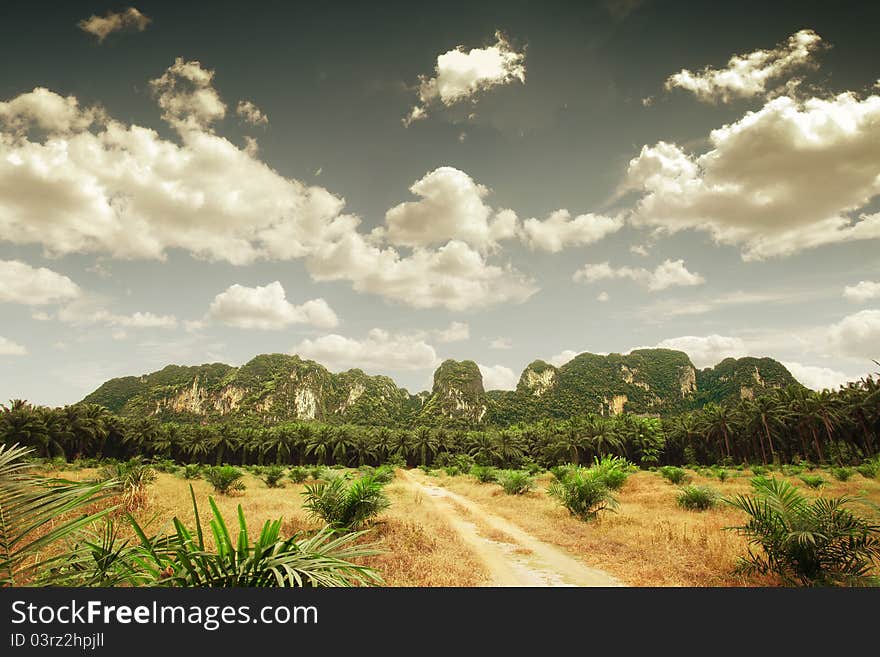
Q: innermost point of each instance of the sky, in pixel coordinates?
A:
(388, 185)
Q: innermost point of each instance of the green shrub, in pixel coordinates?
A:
(515, 482)
(697, 498)
(192, 471)
(298, 474)
(674, 475)
(225, 479)
(842, 474)
(723, 475)
(166, 465)
(485, 474)
(452, 470)
(562, 472)
(133, 476)
(584, 493)
(315, 472)
(791, 470)
(759, 470)
(813, 481)
(344, 505)
(805, 542)
(384, 474)
(273, 476)
(868, 469)
(613, 470)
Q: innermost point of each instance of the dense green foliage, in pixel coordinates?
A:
(583, 492)
(225, 479)
(807, 542)
(514, 482)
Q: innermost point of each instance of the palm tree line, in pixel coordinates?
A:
(788, 425)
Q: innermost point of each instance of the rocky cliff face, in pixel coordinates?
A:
(276, 387)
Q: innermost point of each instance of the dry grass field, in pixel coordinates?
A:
(649, 541)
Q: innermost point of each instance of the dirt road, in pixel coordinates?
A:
(513, 556)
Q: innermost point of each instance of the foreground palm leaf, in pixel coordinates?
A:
(184, 559)
(805, 542)
(28, 504)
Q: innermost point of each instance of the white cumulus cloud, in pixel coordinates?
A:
(756, 186)
(707, 350)
(32, 286)
(750, 74)
(379, 350)
(817, 378)
(251, 113)
(560, 230)
(461, 75)
(455, 332)
(857, 335)
(670, 273)
(266, 307)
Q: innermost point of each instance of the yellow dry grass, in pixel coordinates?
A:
(650, 541)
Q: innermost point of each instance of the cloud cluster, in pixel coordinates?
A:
(501, 343)
(756, 186)
(267, 308)
(114, 21)
(455, 332)
(461, 75)
(857, 335)
(862, 291)
(379, 350)
(90, 309)
(186, 95)
(708, 350)
(33, 286)
(670, 273)
(750, 74)
(817, 378)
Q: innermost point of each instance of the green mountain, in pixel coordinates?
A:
(276, 387)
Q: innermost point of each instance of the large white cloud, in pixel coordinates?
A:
(267, 308)
(757, 185)
(750, 74)
(857, 335)
(32, 286)
(462, 74)
(670, 273)
(560, 230)
(10, 348)
(379, 350)
(862, 291)
(498, 377)
(114, 21)
(451, 207)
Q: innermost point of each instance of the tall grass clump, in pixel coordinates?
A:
(298, 474)
(133, 477)
(804, 542)
(674, 475)
(515, 482)
(697, 498)
(192, 471)
(584, 493)
(868, 469)
(345, 505)
(226, 479)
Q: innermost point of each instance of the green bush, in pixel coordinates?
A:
(842, 474)
(674, 475)
(813, 481)
(192, 471)
(818, 542)
(166, 465)
(225, 479)
(759, 470)
(868, 469)
(298, 474)
(384, 474)
(562, 472)
(485, 474)
(273, 476)
(133, 477)
(723, 475)
(452, 470)
(344, 505)
(584, 493)
(697, 498)
(515, 482)
(613, 470)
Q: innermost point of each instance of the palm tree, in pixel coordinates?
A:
(762, 414)
(424, 444)
(364, 446)
(508, 446)
(320, 442)
(482, 447)
(717, 424)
